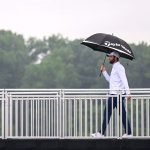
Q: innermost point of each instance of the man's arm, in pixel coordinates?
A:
(123, 77)
(105, 74)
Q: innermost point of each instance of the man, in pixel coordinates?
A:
(117, 81)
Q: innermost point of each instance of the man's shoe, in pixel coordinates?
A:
(97, 135)
(127, 136)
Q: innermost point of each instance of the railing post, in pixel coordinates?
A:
(6, 114)
(62, 113)
(3, 114)
(86, 110)
(57, 116)
(118, 121)
(120, 106)
(142, 117)
(147, 117)
(131, 114)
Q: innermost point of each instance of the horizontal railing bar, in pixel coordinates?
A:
(33, 96)
(86, 92)
(131, 89)
(136, 95)
(32, 89)
(44, 99)
(90, 96)
(88, 137)
(72, 96)
(78, 137)
(19, 93)
(32, 137)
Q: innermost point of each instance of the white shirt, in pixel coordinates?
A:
(117, 79)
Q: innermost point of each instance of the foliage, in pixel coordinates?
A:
(56, 62)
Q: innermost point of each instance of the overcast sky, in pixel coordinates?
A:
(128, 19)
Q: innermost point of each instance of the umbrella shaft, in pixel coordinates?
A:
(103, 64)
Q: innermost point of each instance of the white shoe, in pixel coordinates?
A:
(127, 135)
(97, 134)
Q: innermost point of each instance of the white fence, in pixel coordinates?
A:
(70, 113)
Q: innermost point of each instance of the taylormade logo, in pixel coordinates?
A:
(108, 44)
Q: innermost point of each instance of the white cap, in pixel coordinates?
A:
(116, 54)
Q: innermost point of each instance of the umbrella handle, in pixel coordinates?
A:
(103, 64)
(100, 74)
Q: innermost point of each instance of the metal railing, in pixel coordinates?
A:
(2, 115)
(71, 113)
(32, 113)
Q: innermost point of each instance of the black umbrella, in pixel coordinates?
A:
(107, 43)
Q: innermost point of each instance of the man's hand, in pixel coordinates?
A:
(128, 97)
(102, 68)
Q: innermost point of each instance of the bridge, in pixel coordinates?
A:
(65, 118)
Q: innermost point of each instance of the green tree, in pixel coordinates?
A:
(66, 60)
(55, 71)
(13, 59)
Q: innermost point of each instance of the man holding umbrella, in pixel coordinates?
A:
(115, 48)
(117, 81)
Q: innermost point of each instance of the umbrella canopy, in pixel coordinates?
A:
(107, 43)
